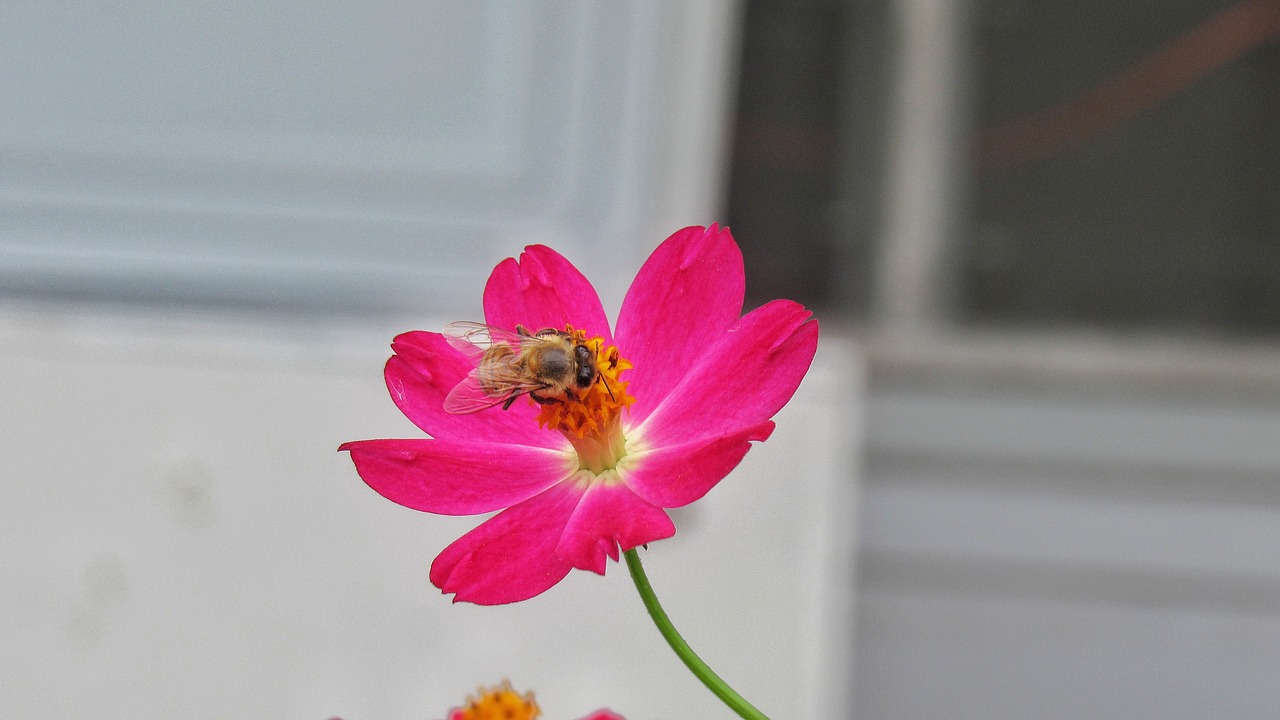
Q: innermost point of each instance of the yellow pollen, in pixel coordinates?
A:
(499, 703)
(594, 410)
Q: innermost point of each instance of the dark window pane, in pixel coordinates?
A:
(784, 154)
(1128, 173)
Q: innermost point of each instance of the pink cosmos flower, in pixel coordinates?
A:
(503, 703)
(690, 382)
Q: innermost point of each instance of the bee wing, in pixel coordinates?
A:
(469, 395)
(472, 337)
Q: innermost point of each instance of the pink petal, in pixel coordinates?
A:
(603, 714)
(511, 556)
(685, 296)
(610, 515)
(423, 371)
(676, 475)
(457, 477)
(542, 290)
(740, 381)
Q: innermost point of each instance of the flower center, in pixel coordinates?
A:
(499, 703)
(590, 417)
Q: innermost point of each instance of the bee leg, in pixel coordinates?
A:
(507, 405)
(608, 389)
(522, 331)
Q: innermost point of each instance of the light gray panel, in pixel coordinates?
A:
(1068, 556)
(1059, 529)
(1050, 428)
(982, 659)
(351, 155)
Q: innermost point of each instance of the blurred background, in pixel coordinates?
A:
(1035, 471)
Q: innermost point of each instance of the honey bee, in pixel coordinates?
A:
(547, 365)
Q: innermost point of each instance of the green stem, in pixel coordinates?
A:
(677, 643)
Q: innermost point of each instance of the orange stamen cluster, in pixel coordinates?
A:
(499, 703)
(594, 410)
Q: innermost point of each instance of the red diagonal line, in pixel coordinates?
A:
(1145, 84)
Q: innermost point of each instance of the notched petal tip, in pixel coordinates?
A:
(456, 477)
(743, 379)
(422, 373)
(609, 520)
(542, 289)
(676, 475)
(536, 260)
(683, 299)
(511, 556)
(792, 322)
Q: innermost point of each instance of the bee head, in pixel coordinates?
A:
(586, 366)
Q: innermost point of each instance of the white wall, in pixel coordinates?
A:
(181, 539)
(212, 222)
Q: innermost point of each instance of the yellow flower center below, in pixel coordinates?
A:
(500, 703)
(589, 417)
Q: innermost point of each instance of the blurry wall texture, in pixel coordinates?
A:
(214, 218)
